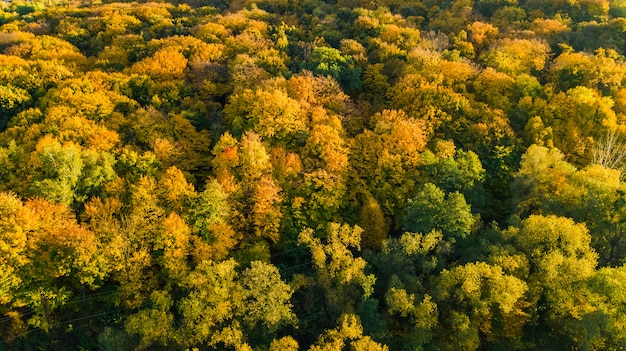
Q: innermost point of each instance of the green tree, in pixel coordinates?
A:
(328, 61)
(432, 209)
(59, 169)
(450, 169)
(12, 100)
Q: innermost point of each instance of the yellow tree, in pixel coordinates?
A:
(266, 213)
(222, 306)
(172, 138)
(478, 303)
(349, 332)
(62, 257)
(585, 118)
(495, 88)
(517, 56)
(560, 261)
(384, 160)
(338, 271)
(165, 64)
(271, 114)
(13, 247)
(325, 166)
(174, 248)
(244, 170)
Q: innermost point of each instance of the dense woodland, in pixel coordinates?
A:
(281, 175)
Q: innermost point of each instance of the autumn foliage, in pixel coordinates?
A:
(312, 175)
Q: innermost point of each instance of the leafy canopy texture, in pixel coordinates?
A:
(265, 175)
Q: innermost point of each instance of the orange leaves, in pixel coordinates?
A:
(174, 189)
(220, 243)
(165, 64)
(40, 244)
(388, 156)
(68, 126)
(175, 241)
(266, 214)
(285, 164)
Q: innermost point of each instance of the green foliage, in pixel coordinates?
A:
(432, 209)
(457, 172)
(12, 99)
(328, 61)
(174, 175)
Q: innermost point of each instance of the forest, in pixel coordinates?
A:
(321, 175)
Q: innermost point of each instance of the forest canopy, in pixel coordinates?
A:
(313, 175)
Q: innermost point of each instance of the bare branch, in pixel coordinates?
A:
(610, 152)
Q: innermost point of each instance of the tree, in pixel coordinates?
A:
(271, 114)
(174, 247)
(337, 270)
(174, 190)
(450, 169)
(494, 88)
(266, 297)
(384, 160)
(286, 343)
(325, 160)
(586, 119)
(12, 100)
(59, 171)
(590, 195)
(13, 246)
(542, 171)
(165, 64)
(372, 220)
(602, 327)
(266, 214)
(171, 138)
(222, 304)
(478, 301)
(328, 61)
(517, 56)
(433, 209)
(481, 35)
(60, 257)
(208, 215)
(348, 332)
(610, 152)
(154, 324)
(213, 300)
(561, 261)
